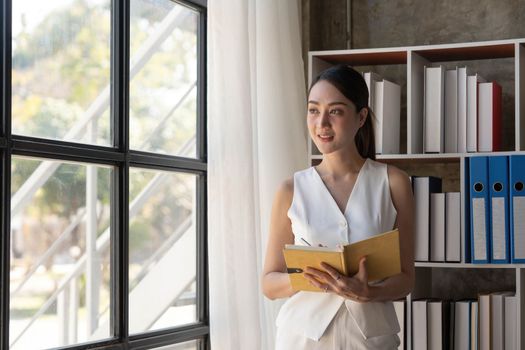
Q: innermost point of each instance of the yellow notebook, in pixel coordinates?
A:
(382, 252)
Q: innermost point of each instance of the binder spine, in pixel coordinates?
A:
(498, 180)
(467, 247)
(517, 207)
(479, 210)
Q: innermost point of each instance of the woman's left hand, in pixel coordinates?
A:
(355, 287)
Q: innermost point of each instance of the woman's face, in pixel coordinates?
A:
(332, 118)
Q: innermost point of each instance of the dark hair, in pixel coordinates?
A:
(353, 86)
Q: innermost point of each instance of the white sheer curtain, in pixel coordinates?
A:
(256, 139)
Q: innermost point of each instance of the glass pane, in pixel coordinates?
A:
(163, 74)
(60, 262)
(162, 250)
(191, 345)
(61, 69)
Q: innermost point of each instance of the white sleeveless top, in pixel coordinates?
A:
(316, 217)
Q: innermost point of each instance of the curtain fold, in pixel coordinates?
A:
(256, 139)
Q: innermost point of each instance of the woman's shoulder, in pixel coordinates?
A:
(284, 193)
(286, 187)
(396, 174)
(398, 179)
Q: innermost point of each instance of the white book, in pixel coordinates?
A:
(497, 315)
(452, 227)
(472, 111)
(437, 227)
(474, 325)
(511, 319)
(370, 79)
(419, 324)
(462, 315)
(400, 308)
(484, 322)
(489, 111)
(451, 111)
(438, 325)
(389, 95)
(423, 187)
(434, 120)
(462, 109)
(378, 108)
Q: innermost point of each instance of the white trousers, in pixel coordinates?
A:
(342, 334)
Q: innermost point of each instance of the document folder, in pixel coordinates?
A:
(499, 205)
(479, 210)
(517, 208)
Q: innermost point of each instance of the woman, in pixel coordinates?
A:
(346, 198)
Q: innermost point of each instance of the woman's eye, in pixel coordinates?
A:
(336, 111)
(312, 111)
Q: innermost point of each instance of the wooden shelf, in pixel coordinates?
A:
(468, 53)
(368, 58)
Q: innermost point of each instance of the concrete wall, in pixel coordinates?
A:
(412, 22)
(379, 23)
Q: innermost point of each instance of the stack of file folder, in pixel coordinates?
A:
(496, 208)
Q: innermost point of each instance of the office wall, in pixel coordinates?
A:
(377, 23)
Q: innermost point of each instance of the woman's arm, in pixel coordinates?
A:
(275, 281)
(395, 287)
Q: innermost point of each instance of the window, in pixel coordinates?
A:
(103, 174)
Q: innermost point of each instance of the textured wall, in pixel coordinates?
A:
(420, 22)
(377, 23)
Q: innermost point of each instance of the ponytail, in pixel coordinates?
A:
(365, 138)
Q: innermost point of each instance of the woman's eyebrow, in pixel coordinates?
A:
(330, 104)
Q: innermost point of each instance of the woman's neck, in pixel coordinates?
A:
(338, 165)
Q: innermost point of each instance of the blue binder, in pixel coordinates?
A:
(479, 210)
(517, 208)
(466, 209)
(499, 209)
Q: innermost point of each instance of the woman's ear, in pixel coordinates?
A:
(363, 114)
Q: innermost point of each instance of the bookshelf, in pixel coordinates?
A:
(411, 61)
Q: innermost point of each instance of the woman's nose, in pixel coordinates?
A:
(325, 119)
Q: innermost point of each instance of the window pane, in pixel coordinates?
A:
(60, 263)
(162, 250)
(61, 69)
(163, 97)
(191, 345)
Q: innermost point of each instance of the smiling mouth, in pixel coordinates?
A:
(325, 138)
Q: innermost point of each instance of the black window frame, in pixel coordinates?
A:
(121, 157)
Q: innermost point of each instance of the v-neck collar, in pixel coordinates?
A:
(351, 193)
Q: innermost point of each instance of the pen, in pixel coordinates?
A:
(304, 240)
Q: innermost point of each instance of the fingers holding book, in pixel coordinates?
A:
(331, 280)
(320, 279)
